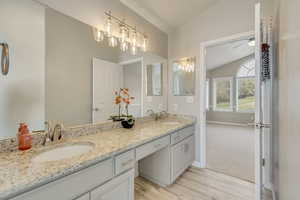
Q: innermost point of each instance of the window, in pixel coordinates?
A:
(223, 94)
(247, 69)
(245, 81)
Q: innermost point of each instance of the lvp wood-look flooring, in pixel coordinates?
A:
(197, 184)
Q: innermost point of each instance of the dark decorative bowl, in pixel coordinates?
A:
(128, 123)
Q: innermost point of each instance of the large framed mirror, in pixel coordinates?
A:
(183, 74)
(155, 79)
(62, 73)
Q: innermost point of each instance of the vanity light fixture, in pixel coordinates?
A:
(145, 43)
(108, 25)
(129, 37)
(186, 64)
(98, 35)
(134, 43)
(112, 41)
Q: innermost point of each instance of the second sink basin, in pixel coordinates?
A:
(63, 152)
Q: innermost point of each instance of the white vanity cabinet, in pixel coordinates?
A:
(120, 188)
(161, 161)
(72, 186)
(182, 156)
(164, 166)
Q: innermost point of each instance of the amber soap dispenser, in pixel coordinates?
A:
(24, 137)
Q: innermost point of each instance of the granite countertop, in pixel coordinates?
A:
(18, 173)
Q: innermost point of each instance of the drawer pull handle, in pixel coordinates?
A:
(127, 162)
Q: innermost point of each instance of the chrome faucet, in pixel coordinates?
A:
(52, 132)
(158, 115)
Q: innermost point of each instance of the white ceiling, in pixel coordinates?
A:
(173, 13)
(219, 55)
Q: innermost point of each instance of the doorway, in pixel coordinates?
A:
(230, 107)
(108, 78)
(225, 106)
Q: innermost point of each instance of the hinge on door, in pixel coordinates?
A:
(263, 162)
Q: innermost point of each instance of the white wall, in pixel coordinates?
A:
(22, 92)
(70, 48)
(223, 19)
(289, 97)
(92, 12)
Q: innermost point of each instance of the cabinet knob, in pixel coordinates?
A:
(96, 109)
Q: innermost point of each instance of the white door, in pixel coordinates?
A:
(258, 111)
(107, 78)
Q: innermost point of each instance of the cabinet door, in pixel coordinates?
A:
(120, 188)
(189, 150)
(182, 156)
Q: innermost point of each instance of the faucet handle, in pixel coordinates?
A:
(57, 129)
(48, 125)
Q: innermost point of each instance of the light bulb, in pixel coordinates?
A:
(123, 33)
(112, 41)
(133, 50)
(124, 46)
(134, 38)
(134, 43)
(98, 35)
(108, 27)
(144, 45)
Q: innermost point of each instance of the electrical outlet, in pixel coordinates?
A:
(175, 107)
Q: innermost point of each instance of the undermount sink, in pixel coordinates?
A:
(63, 152)
(171, 123)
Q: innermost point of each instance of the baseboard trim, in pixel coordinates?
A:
(197, 164)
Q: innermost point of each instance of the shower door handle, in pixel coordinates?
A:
(4, 58)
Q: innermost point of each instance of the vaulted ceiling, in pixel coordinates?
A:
(169, 13)
(222, 54)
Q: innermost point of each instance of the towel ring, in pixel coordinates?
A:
(5, 58)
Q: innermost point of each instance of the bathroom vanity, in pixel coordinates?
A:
(163, 150)
(69, 78)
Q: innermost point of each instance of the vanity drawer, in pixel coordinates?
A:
(124, 161)
(73, 185)
(182, 134)
(152, 147)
